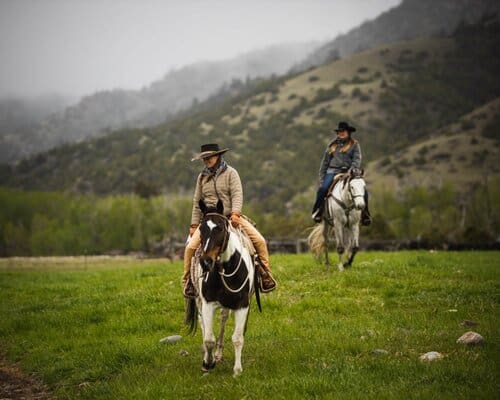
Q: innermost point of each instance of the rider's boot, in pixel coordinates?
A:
(366, 218)
(317, 214)
(188, 289)
(267, 282)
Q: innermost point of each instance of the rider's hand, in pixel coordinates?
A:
(192, 228)
(235, 219)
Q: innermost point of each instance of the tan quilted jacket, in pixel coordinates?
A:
(226, 186)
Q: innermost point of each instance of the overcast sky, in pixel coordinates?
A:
(77, 47)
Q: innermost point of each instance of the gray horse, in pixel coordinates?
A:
(342, 215)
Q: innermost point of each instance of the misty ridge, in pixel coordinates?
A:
(412, 19)
(29, 127)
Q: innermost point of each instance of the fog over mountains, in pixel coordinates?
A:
(26, 129)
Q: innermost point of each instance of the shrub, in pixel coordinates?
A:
(356, 93)
(467, 125)
(385, 162)
(327, 94)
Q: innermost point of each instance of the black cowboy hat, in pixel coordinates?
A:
(209, 150)
(344, 126)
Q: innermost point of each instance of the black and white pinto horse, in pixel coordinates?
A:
(342, 215)
(224, 278)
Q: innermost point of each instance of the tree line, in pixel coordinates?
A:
(55, 223)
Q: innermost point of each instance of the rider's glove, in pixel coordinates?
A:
(235, 219)
(192, 228)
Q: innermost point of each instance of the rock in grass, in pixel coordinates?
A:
(468, 322)
(471, 338)
(379, 352)
(171, 339)
(431, 356)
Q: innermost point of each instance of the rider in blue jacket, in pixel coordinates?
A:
(343, 153)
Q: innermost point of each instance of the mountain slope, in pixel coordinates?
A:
(410, 20)
(464, 153)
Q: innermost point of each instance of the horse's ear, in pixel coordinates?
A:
(220, 207)
(203, 206)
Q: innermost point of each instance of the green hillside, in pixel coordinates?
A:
(465, 153)
(396, 95)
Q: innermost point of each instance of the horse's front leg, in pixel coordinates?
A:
(354, 245)
(240, 319)
(339, 239)
(207, 314)
(220, 340)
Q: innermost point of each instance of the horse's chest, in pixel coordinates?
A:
(213, 290)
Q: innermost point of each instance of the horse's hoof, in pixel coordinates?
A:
(205, 367)
(219, 359)
(237, 372)
(341, 267)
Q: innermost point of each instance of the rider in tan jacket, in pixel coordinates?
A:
(219, 181)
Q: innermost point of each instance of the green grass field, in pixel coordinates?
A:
(90, 329)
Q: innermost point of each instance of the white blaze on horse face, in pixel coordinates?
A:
(211, 226)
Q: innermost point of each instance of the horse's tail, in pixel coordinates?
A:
(316, 241)
(191, 314)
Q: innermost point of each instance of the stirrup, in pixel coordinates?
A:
(316, 216)
(189, 290)
(261, 283)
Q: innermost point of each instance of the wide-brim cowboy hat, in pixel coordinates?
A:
(209, 150)
(344, 126)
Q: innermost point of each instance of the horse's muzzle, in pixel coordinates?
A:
(359, 203)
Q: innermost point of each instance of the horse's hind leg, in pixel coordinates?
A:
(325, 240)
(240, 318)
(220, 340)
(208, 337)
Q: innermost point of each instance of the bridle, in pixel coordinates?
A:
(225, 241)
(349, 189)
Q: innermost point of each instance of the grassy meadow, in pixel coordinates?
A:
(90, 328)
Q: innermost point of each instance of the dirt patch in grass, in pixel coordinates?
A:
(16, 385)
